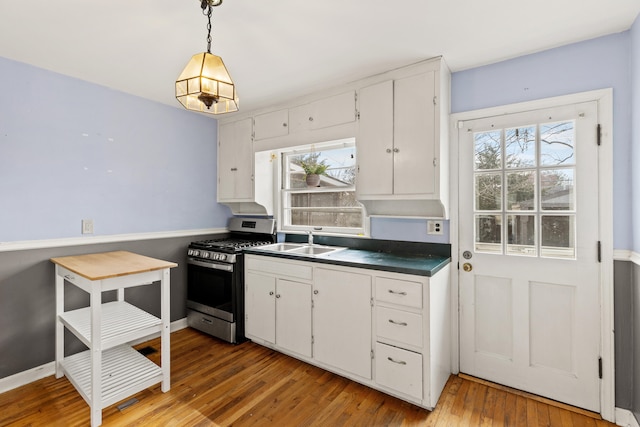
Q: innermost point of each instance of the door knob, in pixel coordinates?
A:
(467, 267)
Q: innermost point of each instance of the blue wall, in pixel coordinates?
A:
(635, 132)
(71, 150)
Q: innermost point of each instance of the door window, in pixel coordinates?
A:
(524, 190)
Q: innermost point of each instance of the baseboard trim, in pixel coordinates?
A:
(43, 371)
(625, 418)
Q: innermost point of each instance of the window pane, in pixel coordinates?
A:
(487, 150)
(520, 147)
(326, 219)
(336, 168)
(332, 199)
(521, 235)
(488, 233)
(557, 189)
(488, 188)
(521, 191)
(557, 144)
(558, 236)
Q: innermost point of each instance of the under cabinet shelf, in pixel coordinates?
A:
(121, 323)
(124, 373)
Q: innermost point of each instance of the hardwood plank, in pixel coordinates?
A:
(215, 384)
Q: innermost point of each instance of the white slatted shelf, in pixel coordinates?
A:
(121, 323)
(124, 373)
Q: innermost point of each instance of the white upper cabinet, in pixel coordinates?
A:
(331, 111)
(402, 143)
(270, 125)
(235, 161)
(400, 121)
(238, 166)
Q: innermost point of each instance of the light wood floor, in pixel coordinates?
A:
(218, 384)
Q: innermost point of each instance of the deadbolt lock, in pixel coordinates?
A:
(467, 267)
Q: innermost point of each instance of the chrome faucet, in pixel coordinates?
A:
(310, 239)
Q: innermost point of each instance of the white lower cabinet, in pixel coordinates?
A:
(278, 311)
(342, 320)
(389, 331)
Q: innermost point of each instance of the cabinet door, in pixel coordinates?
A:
(331, 111)
(293, 316)
(414, 135)
(269, 125)
(342, 320)
(260, 306)
(374, 140)
(235, 161)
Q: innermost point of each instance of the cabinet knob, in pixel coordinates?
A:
(234, 169)
(310, 119)
(271, 293)
(284, 125)
(277, 295)
(315, 292)
(388, 150)
(396, 150)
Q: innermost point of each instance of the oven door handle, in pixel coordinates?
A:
(225, 267)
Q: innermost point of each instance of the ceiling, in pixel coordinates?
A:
(281, 49)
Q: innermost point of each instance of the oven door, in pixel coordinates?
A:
(210, 288)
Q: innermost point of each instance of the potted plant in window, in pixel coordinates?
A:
(313, 169)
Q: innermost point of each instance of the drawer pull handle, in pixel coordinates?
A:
(391, 291)
(399, 362)
(397, 323)
(69, 277)
(205, 320)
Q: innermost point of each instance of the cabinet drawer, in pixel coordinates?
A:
(398, 369)
(278, 266)
(398, 291)
(399, 326)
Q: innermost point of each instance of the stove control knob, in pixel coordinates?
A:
(222, 257)
(190, 252)
(205, 254)
(196, 253)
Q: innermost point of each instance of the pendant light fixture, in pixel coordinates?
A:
(205, 85)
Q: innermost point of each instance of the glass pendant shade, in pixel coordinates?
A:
(205, 85)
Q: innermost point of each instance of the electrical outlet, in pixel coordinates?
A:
(87, 226)
(434, 227)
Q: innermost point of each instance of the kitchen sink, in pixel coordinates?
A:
(281, 247)
(299, 249)
(314, 250)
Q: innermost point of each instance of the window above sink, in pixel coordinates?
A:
(328, 204)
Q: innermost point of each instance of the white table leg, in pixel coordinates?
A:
(165, 314)
(59, 325)
(96, 354)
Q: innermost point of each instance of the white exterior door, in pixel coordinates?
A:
(529, 281)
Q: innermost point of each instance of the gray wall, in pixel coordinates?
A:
(624, 340)
(27, 297)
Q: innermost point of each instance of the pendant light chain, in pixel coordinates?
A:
(207, 6)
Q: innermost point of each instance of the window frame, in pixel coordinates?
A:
(284, 208)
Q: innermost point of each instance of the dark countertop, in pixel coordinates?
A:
(417, 263)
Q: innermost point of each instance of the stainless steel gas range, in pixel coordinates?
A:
(215, 278)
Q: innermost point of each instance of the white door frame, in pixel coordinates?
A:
(604, 98)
